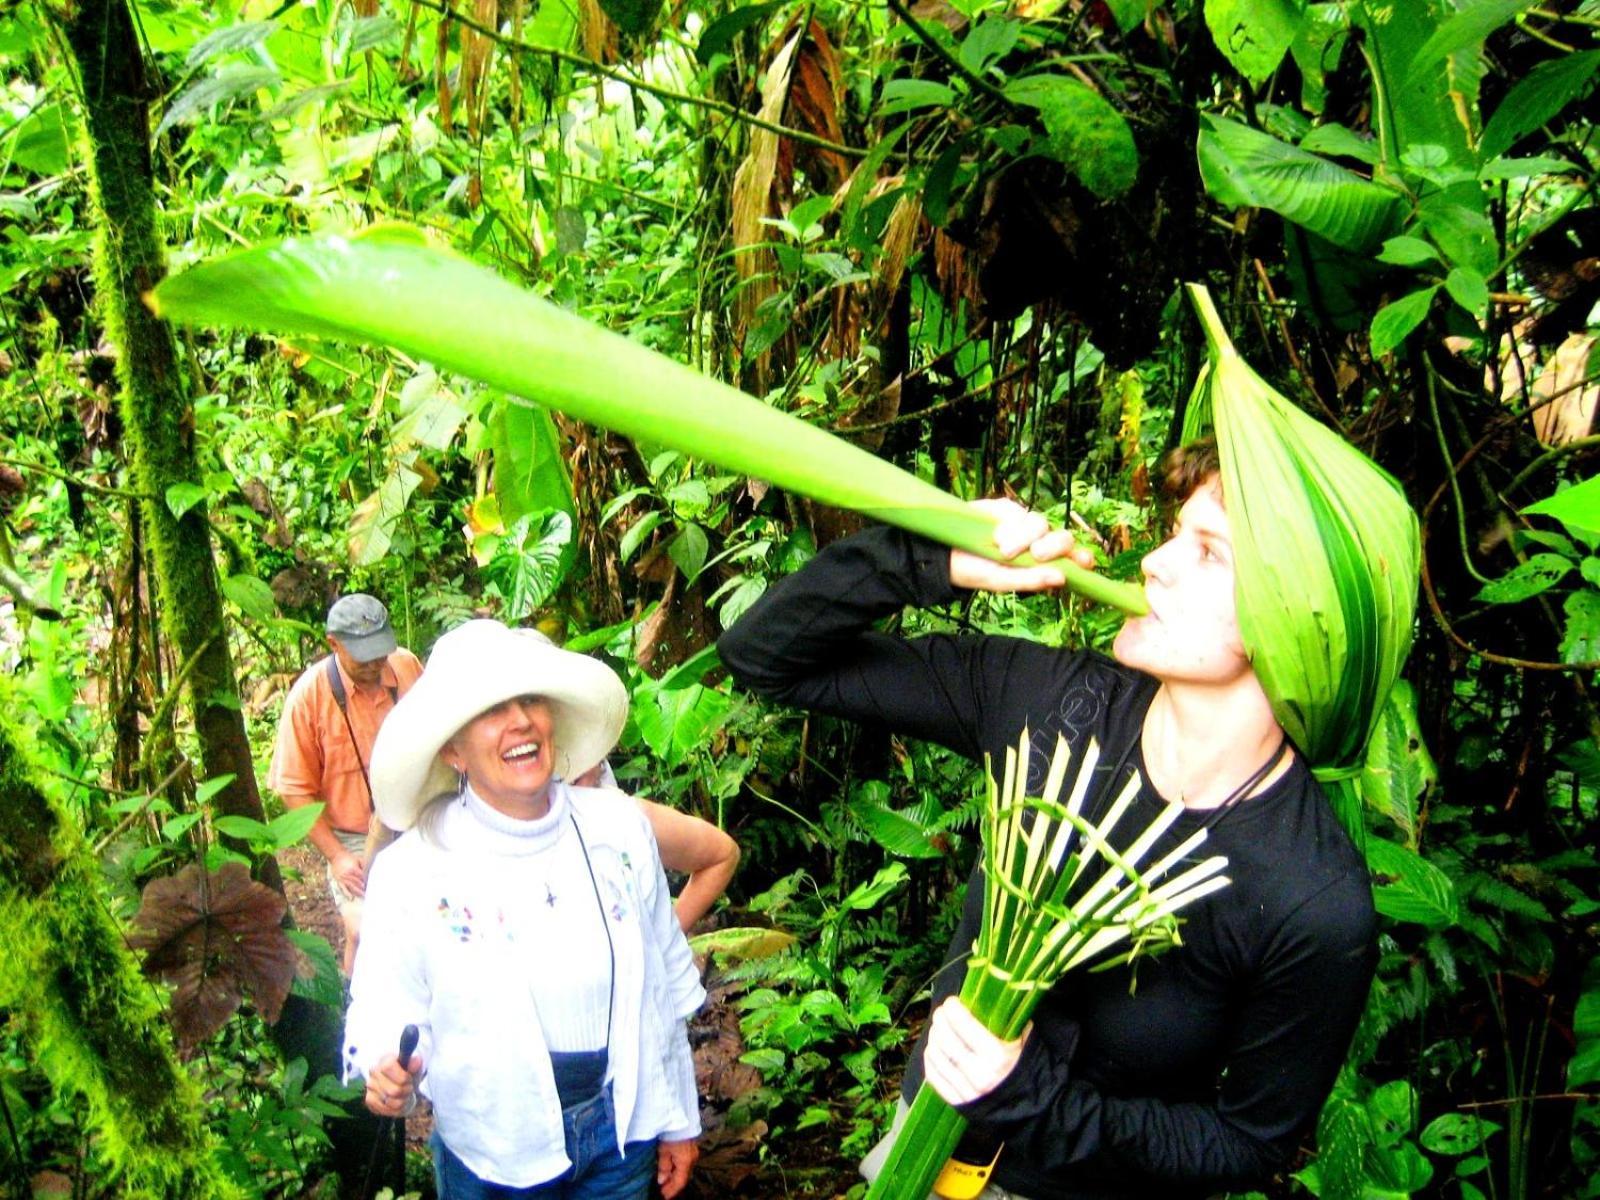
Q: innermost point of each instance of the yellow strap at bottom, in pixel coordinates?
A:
(963, 1180)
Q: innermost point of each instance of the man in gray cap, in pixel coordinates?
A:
(325, 735)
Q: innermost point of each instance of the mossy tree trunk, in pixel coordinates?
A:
(156, 413)
(158, 421)
(94, 1024)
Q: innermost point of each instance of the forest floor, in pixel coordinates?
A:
(734, 1161)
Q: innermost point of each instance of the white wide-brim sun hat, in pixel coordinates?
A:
(473, 668)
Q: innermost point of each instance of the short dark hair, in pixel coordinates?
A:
(1185, 469)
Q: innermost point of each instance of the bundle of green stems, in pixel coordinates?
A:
(1057, 896)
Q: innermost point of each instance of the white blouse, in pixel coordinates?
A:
(457, 938)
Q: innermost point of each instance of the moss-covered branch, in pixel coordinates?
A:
(156, 413)
(92, 1022)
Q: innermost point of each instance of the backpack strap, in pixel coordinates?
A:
(336, 685)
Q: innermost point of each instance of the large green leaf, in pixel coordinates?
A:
(1465, 30)
(1536, 98)
(530, 561)
(1254, 35)
(391, 285)
(1411, 888)
(1417, 99)
(1085, 133)
(41, 142)
(1244, 166)
(1577, 507)
(530, 471)
(1399, 768)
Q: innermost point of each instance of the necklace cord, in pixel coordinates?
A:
(611, 948)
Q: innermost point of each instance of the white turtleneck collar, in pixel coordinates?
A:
(493, 830)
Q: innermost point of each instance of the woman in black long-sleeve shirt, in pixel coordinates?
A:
(1202, 1076)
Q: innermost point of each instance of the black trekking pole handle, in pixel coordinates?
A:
(409, 1036)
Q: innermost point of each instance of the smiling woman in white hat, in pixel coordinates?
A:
(526, 929)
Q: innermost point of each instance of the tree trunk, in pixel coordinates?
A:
(158, 421)
(156, 413)
(95, 1024)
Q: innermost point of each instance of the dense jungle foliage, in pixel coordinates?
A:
(952, 231)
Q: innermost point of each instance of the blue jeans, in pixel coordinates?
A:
(598, 1172)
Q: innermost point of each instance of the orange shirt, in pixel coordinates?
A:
(314, 757)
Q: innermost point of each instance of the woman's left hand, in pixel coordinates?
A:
(674, 1161)
(963, 1061)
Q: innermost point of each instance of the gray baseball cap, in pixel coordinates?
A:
(361, 623)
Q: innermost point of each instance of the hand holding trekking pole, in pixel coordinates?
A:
(392, 1084)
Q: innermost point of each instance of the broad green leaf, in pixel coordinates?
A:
(181, 497)
(363, 288)
(430, 414)
(1254, 35)
(1344, 1132)
(1524, 168)
(1336, 139)
(210, 787)
(719, 34)
(869, 895)
(905, 95)
(368, 33)
(252, 595)
(1464, 234)
(1316, 52)
(990, 40)
(41, 143)
(1456, 1133)
(1399, 769)
(1408, 252)
(179, 825)
(1410, 888)
(231, 82)
(555, 23)
(688, 550)
(246, 829)
(1395, 321)
(1468, 289)
(1589, 568)
(290, 826)
(1536, 98)
(1243, 166)
(530, 468)
(1412, 105)
(1538, 573)
(744, 942)
(1580, 640)
(228, 40)
(637, 532)
(897, 832)
(317, 976)
(1084, 132)
(1393, 1106)
(1584, 1067)
(1399, 1169)
(1466, 30)
(675, 722)
(531, 561)
(1576, 507)
(1128, 13)
(372, 524)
